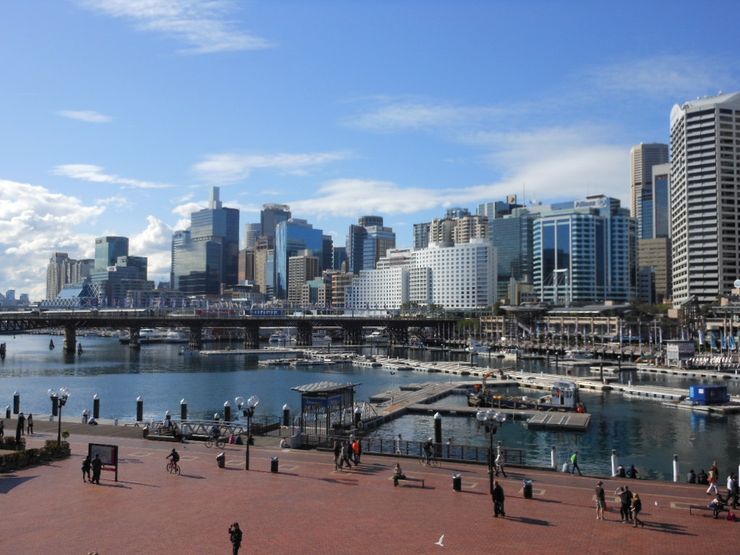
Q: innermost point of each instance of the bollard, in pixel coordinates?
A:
(437, 428)
(553, 458)
(527, 489)
(227, 411)
(16, 402)
(54, 406)
(675, 468)
(183, 410)
(274, 464)
(615, 463)
(358, 417)
(7, 411)
(286, 415)
(96, 407)
(221, 460)
(139, 409)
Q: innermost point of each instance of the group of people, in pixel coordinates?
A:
(24, 425)
(631, 473)
(347, 452)
(630, 504)
(95, 465)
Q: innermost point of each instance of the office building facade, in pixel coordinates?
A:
(291, 237)
(642, 159)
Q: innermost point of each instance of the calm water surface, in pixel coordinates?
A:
(643, 432)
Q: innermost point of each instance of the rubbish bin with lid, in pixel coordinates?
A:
(274, 464)
(527, 489)
(457, 482)
(221, 460)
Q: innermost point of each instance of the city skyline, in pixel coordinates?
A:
(119, 117)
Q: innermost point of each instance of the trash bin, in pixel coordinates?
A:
(527, 489)
(221, 460)
(457, 482)
(274, 464)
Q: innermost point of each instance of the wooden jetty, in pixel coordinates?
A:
(573, 421)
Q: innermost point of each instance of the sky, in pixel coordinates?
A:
(118, 116)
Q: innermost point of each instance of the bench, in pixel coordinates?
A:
(397, 479)
(721, 508)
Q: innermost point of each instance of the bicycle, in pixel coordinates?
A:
(173, 468)
(219, 442)
(428, 460)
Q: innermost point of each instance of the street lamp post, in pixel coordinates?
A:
(58, 400)
(248, 411)
(490, 421)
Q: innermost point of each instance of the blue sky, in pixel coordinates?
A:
(119, 115)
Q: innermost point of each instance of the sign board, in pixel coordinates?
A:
(108, 455)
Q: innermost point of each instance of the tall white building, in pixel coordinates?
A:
(459, 277)
(705, 197)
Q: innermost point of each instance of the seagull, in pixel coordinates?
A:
(440, 540)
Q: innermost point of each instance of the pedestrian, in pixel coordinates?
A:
(22, 423)
(97, 466)
(235, 535)
(499, 464)
(86, 469)
(712, 479)
(732, 490)
(337, 453)
(357, 450)
(574, 464)
(2, 428)
(636, 508)
(345, 454)
(715, 470)
(398, 445)
(29, 424)
(498, 499)
(625, 503)
(691, 478)
(18, 430)
(702, 478)
(600, 500)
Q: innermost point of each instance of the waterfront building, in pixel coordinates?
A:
(458, 277)
(271, 216)
(291, 237)
(421, 235)
(205, 257)
(302, 268)
(511, 235)
(585, 251)
(63, 270)
(642, 159)
(705, 188)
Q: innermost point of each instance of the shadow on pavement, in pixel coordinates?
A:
(9, 482)
(668, 528)
(193, 476)
(527, 520)
(138, 483)
(342, 481)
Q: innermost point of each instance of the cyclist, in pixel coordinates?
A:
(428, 451)
(174, 456)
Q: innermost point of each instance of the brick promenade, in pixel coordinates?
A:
(308, 507)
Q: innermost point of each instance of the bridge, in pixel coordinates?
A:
(134, 320)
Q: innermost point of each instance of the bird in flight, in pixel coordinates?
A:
(440, 540)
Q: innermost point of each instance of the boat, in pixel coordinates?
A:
(577, 354)
(377, 337)
(475, 346)
(151, 335)
(176, 336)
(279, 339)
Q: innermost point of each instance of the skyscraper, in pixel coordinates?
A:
(705, 188)
(511, 235)
(251, 232)
(291, 237)
(367, 242)
(108, 249)
(642, 159)
(206, 255)
(271, 216)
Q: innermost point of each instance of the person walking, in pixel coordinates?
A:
(97, 466)
(731, 497)
(498, 499)
(337, 453)
(235, 535)
(712, 479)
(29, 424)
(2, 428)
(345, 454)
(357, 450)
(636, 507)
(86, 469)
(499, 464)
(600, 500)
(574, 464)
(22, 423)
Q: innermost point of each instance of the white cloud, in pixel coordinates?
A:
(414, 114)
(204, 25)
(34, 223)
(88, 116)
(678, 77)
(232, 167)
(96, 174)
(154, 242)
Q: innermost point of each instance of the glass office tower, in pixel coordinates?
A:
(292, 236)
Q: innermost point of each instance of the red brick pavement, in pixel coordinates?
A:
(308, 507)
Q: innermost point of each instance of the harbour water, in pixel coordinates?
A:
(642, 431)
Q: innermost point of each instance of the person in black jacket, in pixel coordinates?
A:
(235, 535)
(498, 499)
(636, 508)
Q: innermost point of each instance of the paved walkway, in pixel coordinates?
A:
(308, 507)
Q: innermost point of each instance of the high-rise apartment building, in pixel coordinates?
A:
(585, 253)
(642, 159)
(705, 197)
(206, 256)
(264, 266)
(302, 268)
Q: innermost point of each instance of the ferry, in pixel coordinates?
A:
(279, 339)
